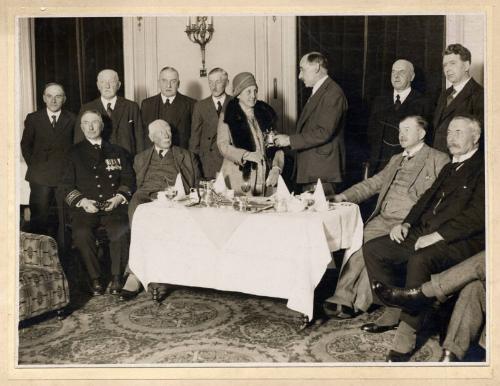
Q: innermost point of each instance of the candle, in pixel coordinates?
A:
(212, 20)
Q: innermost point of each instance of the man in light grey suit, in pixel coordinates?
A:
(399, 185)
(203, 141)
(319, 137)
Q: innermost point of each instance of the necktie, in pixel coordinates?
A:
(97, 147)
(167, 103)
(219, 108)
(109, 110)
(450, 96)
(53, 121)
(397, 104)
(160, 153)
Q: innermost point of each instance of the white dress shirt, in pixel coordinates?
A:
(402, 95)
(106, 101)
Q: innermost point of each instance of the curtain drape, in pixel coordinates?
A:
(72, 51)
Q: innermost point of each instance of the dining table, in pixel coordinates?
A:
(264, 252)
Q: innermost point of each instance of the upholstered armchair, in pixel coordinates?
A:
(42, 284)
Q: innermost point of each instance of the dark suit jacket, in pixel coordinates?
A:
(124, 128)
(203, 141)
(469, 101)
(44, 148)
(97, 174)
(460, 214)
(185, 163)
(319, 138)
(384, 124)
(178, 116)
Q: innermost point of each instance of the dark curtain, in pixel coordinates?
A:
(360, 52)
(72, 51)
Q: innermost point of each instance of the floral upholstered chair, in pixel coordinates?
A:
(42, 284)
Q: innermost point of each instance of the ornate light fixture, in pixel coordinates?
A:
(200, 32)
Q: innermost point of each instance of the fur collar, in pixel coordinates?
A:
(238, 124)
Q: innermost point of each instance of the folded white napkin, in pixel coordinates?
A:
(179, 186)
(320, 203)
(219, 184)
(282, 192)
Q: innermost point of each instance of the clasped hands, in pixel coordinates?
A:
(89, 206)
(399, 232)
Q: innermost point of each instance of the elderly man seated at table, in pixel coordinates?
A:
(157, 168)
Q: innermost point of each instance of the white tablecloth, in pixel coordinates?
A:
(281, 255)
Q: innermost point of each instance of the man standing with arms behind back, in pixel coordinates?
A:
(171, 106)
(203, 141)
(47, 136)
(319, 137)
(121, 117)
(388, 110)
(464, 97)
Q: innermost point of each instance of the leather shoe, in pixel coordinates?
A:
(395, 356)
(116, 285)
(340, 311)
(126, 295)
(448, 356)
(97, 289)
(409, 299)
(374, 328)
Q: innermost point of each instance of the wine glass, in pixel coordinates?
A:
(245, 187)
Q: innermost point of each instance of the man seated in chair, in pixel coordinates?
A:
(399, 185)
(445, 227)
(98, 183)
(156, 168)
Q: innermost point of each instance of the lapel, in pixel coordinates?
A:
(145, 164)
(100, 107)
(62, 121)
(463, 95)
(118, 111)
(388, 182)
(47, 124)
(470, 167)
(157, 103)
(420, 159)
(312, 103)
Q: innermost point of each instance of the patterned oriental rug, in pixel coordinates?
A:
(195, 325)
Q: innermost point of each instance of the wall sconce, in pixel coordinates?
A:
(200, 32)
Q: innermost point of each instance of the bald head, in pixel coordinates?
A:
(160, 134)
(108, 83)
(402, 74)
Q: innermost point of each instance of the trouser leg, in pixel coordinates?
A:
(41, 197)
(83, 226)
(455, 278)
(116, 226)
(467, 319)
(353, 287)
(433, 259)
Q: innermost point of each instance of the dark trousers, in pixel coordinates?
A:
(42, 198)
(84, 227)
(139, 197)
(400, 265)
